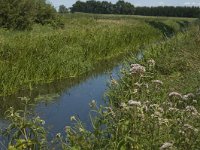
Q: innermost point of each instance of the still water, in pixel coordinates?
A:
(55, 103)
(74, 101)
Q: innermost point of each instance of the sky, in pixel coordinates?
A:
(69, 3)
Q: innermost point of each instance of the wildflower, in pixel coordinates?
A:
(166, 145)
(145, 108)
(187, 126)
(81, 130)
(42, 122)
(175, 94)
(188, 96)
(156, 106)
(192, 109)
(110, 110)
(163, 121)
(181, 132)
(173, 109)
(123, 105)
(92, 104)
(137, 69)
(157, 82)
(114, 82)
(58, 135)
(134, 103)
(194, 101)
(160, 109)
(138, 84)
(157, 114)
(146, 85)
(135, 91)
(151, 63)
(73, 118)
(67, 128)
(198, 91)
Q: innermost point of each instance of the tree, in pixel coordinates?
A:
(22, 14)
(63, 9)
(16, 14)
(103, 7)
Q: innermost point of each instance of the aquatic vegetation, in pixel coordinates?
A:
(46, 54)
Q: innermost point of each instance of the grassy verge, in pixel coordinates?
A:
(154, 105)
(43, 54)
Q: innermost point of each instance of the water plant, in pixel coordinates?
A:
(46, 54)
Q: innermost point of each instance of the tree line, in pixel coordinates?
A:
(169, 11)
(122, 7)
(104, 7)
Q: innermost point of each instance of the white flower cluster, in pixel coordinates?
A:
(137, 69)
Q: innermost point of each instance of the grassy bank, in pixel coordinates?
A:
(45, 54)
(155, 105)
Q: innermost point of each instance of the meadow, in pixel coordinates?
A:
(45, 54)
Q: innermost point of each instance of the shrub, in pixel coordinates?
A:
(22, 14)
(17, 14)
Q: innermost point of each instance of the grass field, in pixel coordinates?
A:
(45, 54)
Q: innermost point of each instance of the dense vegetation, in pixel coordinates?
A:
(122, 7)
(44, 54)
(103, 7)
(63, 10)
(22, 14)
(169, 11)
(154, 105)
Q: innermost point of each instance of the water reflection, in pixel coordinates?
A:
(57, 101)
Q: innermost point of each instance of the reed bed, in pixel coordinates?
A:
(46, 54)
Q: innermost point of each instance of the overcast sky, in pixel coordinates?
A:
(69, 3)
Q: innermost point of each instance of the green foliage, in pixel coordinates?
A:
(122, 7)
(103, 7)
(63, 9)
(169, 11)
(43, 54)
(144, 112)
(16, 14)
(144, 109)
(22, 14)
(24, 132)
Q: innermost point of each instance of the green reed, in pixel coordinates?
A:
(45, 54)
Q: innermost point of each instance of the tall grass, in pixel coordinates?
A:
(155, 105)
(45, 54)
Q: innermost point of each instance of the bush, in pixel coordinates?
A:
(16, 14)
(22, 14)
